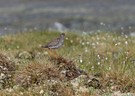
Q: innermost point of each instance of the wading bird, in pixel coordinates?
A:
(56, 43)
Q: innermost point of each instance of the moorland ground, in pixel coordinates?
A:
(105, 62)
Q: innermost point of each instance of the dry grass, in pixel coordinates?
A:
(7, 71)
(36, 74)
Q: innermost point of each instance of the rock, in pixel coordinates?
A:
(78, 85)
(93, 82)
(24, 55)
(58, 26)
(118, 93)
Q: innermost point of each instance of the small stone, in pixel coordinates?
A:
(21, 93)
(41, 91)
(83, 89)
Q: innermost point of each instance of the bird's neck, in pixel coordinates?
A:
(62, 37)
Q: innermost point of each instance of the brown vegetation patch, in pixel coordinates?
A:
(36, 74)
(7, 70)
(118, 82)
(68, 68)
(59, 89)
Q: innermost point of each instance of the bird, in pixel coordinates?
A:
(56, 43)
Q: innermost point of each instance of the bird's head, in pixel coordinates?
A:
(62, 34)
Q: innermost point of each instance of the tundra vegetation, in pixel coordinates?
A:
(88, 64)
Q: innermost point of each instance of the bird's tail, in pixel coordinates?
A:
(44, 46)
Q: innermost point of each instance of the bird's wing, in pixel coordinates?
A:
(54, 42)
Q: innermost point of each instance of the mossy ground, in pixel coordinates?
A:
(108, 57)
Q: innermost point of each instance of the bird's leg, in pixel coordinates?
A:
(55, 53)
(52, 53)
